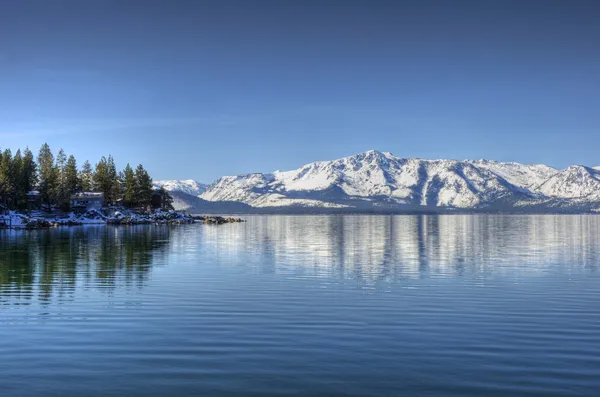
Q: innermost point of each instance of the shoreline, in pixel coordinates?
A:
(14, 220)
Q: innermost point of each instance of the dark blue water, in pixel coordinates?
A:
(320, 306)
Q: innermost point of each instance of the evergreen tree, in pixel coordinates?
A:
(106, 179)
(86, 177)
(48, 174)
(71, 179)
(20, 192)
(100, 177)
(129, 185)
(62, 190)
(6, 177)
(167, 199)
(113, 181)
(29, 171)
(143, 186)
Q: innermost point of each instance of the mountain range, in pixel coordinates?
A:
(376, 181)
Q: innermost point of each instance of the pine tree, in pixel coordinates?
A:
(167, 199)
(86, 177)
(71, 179)
(106, 179)
(143, 186)
(129, 185)
(100, 177)
(48, 174)
(29, 171)
(20, 192)
(6, 177)
(62, 190)
(119, 187)
(113, 181)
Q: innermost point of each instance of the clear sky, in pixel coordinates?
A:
(200, 89)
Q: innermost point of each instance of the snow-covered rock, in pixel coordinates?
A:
(41, 220)
(13, 219)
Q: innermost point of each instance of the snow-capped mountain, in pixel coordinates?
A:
(189, 186)
(380, 181)
(376, 179)
(574, 182)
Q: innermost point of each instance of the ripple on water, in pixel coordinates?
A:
(297, 305)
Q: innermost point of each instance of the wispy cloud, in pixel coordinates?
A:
(63, 127)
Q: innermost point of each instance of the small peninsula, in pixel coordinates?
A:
(51, 191)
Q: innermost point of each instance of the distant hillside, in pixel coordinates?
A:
(193, 204)
(187, 186)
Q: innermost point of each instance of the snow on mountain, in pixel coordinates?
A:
(574, 182)
(255, 190)
(379, 178)
(381, 181)
(523, 176)
(242, 188)
(189, 186)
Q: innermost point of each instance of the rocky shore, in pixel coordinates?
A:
(217, 220)
(39, 220)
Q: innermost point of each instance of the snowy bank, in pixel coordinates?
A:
(39, 220)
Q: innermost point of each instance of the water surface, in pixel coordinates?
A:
(323, 306)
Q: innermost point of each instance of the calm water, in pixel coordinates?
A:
(320, 306)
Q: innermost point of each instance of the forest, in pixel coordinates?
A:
(56, 178)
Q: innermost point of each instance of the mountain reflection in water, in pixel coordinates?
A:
(393, 247)
(42, 264)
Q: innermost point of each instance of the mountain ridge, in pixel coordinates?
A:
(381, 182)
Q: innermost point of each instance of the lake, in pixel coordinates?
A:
(473, 305)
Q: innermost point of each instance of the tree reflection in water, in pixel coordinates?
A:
(46, 264)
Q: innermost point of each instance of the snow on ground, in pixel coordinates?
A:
(40, 219)
(13, 219)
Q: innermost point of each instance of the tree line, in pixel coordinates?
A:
(56, 178)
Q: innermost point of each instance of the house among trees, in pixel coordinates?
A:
(58, 183)
(84, 201)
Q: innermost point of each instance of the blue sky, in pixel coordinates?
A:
(202, 89)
